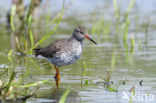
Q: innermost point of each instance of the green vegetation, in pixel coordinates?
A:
(64, 96)
(84, 74)
(17, 78)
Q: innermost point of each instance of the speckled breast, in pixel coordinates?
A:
(69, 56)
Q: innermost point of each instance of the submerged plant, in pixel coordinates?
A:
(132, 90)
(9, 89)
(54, 29)
(84, 74)
(108, 84)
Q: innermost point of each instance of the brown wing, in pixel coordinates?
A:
(51, 49)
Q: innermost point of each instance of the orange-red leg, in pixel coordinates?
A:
(57, 77)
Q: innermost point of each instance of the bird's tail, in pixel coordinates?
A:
(36, 50)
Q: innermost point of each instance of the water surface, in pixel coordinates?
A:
(127, 72)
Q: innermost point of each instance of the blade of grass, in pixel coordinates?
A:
(117, 14)
(132, 43)
(34, 84)
(84, 73)
(31, 39)
(113, 60)
(64, 96)
(85, 67)
(34, 63)
(13, 11)
(106, 29)
(9, 84)
(10, 55)
(130, 6)
(17, 43)
(112, 89)
(54, 29)
(28, 11)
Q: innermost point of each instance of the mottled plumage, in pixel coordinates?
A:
(65, 51)
(62, 52)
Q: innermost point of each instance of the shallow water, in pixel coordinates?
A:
(128, 71)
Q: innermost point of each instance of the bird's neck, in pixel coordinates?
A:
(76, 40)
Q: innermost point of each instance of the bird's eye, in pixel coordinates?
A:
(81, 32)
(77, 30)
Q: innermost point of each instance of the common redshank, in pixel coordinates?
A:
(65, 51)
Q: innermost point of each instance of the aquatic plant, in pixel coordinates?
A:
(84, 74)
(64, 96)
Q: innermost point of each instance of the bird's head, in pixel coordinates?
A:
(80, 33)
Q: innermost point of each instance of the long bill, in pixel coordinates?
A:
(87, 37)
